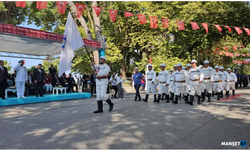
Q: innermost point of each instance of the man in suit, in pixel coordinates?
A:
(93, 83)
(85, 79)
(63, 80)
(52, 70)
(71, 83)
(39, 77)
(55, 80)
(3, 79)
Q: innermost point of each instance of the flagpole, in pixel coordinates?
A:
(90, 57)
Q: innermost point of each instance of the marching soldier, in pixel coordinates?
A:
(232, 81)
(217, 78)
(150, 83)
(189, 67)
(175, 67)
(102, 73)
(180, 80)
(188, 86)
(163, 79)
(195, 79)
(207, 71)
(225, 84)
(171, 82)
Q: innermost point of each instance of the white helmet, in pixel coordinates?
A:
(206, 62)
(103, 57)
(163, 65)
(179, 65)
(193, 61)
(216, 67)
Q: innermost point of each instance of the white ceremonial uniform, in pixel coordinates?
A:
(188, 86)
(180, 79)
(21, 77)
(218, 80)
(150, 78)
(195, 75)
(102, 84)
(225, 85)
(207, 79)
(232, 80)
(163, 79)
(171, 82)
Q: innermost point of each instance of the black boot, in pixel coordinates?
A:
(100, 105)
(213, 94)
(199, 100)
(227, 93)
(159, 98)
(176, 99)
(191, 100)
(221, 93)
(146, 98)
(167, 96)
(111, 105)
(172, 96)
(186, 99)
(162, 96)
(218, 96)
(233, 92)
(155, 99)
(209, 97)
(203, 94)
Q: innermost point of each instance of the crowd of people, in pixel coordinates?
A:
(190, 81)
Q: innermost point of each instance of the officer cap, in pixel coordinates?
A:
(228, 69)
(163, 65)
(200, 66)
(206, 62)
(171, 70)
(216, 67)
(193, 61)
(150, 65)
(188, 65)
(183, 67)
(103, 57)
(221, 68)
(179, 65)
(175, 66)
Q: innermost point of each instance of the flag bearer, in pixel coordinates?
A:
(163, 79)
(102, 73)
(150, 83)
(207, 71)
(180, 80)
(195, 79)
(232, 81)
(217, 78)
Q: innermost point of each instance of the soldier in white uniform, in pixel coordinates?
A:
(207, 71)
(195, 79)
(232, 80)
(188, 86)
(150, 83)
(163, 79)
(225, 84)
(180, 80)
(102, 73)
(171, 82)
(217, 78)
(21, 78)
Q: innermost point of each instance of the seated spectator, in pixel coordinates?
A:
(71, 83)
(30, 87)
(63, 80)
(47, 84)
(55, 80)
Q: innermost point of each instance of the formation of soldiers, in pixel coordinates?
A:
(194, 81)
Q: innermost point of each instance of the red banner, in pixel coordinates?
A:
(79, 9)
(220, 53)
(243, 54)
(217, 49)
(61, 5)
(205, 26)
(235, 48)
(142, 19)
(218, 27)
(164, 22)
(20, 4)
(153, 22)
(247, 30)
(41, 5)
(229, 29)
(180, 25)
(128, 14)
(195, 25)
(226, 48)
(112, 14)
(238, 30)
(97, 10)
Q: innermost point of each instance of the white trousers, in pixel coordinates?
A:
(207, 86)
(231, 86)
(20, 87)
(163, 89)
(48, 87)
(180, 88)
(101, 92)
(150, 87)
(172, 87)
(217, 86)
(195, 86)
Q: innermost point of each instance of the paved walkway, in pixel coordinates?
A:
(71, 124)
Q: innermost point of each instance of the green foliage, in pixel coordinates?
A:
(46, 64)
(7, 65)
(31, 69)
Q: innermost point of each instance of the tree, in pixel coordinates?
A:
(31, 69)
(7, 65)
(46, 64)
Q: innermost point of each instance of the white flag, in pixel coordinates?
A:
(72, 41)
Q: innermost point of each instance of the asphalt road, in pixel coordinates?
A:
(140, 125)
